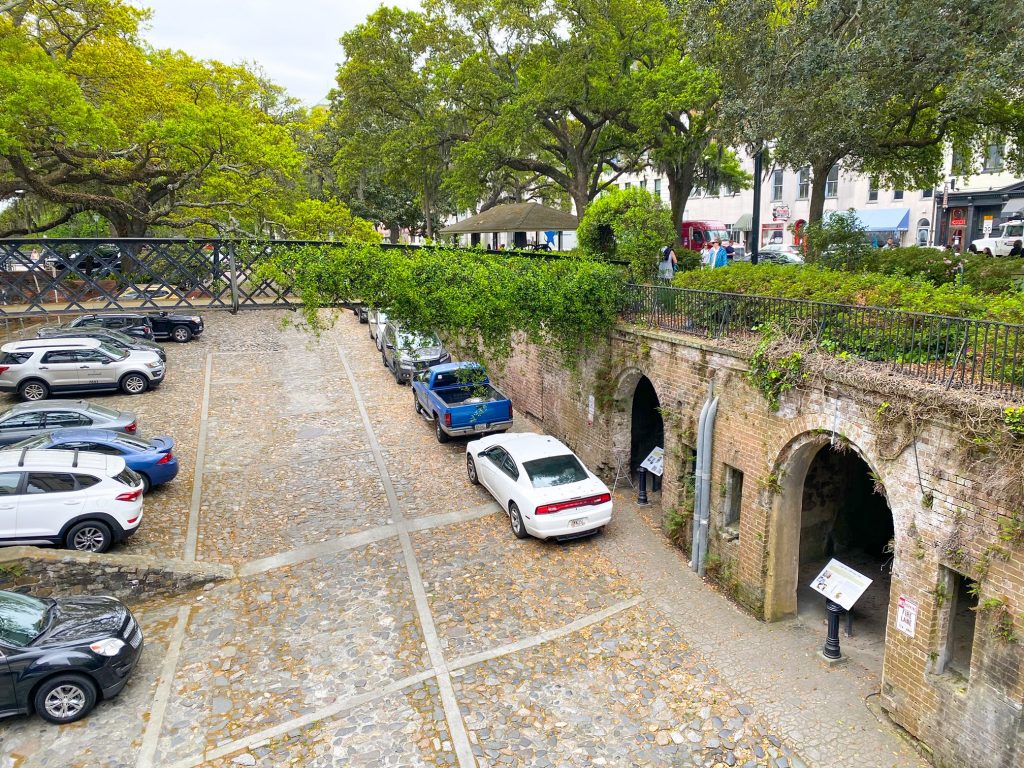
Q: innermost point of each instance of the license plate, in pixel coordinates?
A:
(479, 427)
(579, 522)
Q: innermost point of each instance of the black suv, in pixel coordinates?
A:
(133, 325)
(59, 657)
(179, 328)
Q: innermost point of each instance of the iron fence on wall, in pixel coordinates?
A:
(953, 351)
(56, 276)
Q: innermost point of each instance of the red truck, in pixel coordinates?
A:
(695, 234)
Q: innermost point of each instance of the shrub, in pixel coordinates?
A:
(984, 273)
(687, 259)
(837, 240)
(630, 225)
(815, 283)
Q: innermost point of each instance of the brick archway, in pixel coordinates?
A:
(622, 413)
(786, 517)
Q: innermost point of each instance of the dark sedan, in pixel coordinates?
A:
(58, 657)
(103, 334)
(29, 419)
(133, 325)
(404, 353)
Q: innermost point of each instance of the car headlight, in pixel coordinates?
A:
(195, 319)
(445, 357)
(154, 365)
(406, 364)
(109, 647)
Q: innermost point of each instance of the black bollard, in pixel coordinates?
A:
(831, 649)
(641, 495)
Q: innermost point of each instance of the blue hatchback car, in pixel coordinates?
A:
(153, 459)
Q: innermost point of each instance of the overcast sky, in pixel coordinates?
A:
(295, 41)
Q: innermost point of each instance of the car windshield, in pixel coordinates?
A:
(719, 234)
(555, 470)
(117, 353)
(417, 340)
(22, 618)
(32, 442)
(1014, 230)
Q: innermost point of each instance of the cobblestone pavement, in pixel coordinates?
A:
(384, 615)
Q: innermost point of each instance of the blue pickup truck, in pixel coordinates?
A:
(460, 400)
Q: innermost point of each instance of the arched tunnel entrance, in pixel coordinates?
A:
(844, 515)
(647, 430)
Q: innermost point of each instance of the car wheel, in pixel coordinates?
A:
(65, 699)
(515, 519)
(471, 470)
(89, 536)
(134, 384)
(181, 333)
(34, 390)
(442, 436)
(146, 485)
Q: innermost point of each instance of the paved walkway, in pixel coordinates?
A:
(385, 616)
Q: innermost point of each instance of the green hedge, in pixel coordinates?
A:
(984, 273)
(859, 288)
(461, 294)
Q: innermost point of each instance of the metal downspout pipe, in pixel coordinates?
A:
(702, 505)
(698, 473)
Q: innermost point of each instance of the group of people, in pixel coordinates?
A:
(712, 256)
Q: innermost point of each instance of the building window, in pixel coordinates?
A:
(776, 186)
(993, 158)
(873, 191)
(804, 183)
(733, 497)
(643, 183)
(923, 231)
(657, 187)
(926, 194)
(629, 184)
(958, 614)
(897, 194)
(832, 182)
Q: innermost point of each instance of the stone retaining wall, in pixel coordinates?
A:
(128, 577)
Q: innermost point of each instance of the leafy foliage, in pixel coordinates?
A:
(838, 240)
(857, 288)
(773, 373)
(627, 224)
(983, 273)
(477, 302)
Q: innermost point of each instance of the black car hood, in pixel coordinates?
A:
(83, 618)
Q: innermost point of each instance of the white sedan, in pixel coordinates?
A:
(543, 486)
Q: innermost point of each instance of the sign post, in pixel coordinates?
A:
(842, 587)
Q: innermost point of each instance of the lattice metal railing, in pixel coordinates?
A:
(44, 276)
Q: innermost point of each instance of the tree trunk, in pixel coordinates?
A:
(819, 177)
(680, 185)
(394, 233)
(580, 194)
(125, 226)
(428, 211)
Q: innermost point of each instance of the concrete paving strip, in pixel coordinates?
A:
(456, 725)
(545, 636)
(192, 537)
(331, 710)
(151, 735)
(452, 518)
(320, 549)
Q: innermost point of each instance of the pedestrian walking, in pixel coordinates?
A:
(667, 267)
(718, 256)
(705, 255)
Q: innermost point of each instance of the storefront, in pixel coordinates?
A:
(884, 224)
(965, 216)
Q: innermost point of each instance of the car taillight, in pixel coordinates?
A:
(130, 429)
(589, 501)
(131, 496)
(510, 410)
(167, 457)
(133, 520)
(4, 368)
(447, 419)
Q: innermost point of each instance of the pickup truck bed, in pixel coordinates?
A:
(469, 395)
(458, 406)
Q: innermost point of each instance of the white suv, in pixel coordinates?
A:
(84, 501)
(37, 367)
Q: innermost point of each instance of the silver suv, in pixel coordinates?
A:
(37, 367)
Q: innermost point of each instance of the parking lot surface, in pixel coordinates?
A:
(383, 614)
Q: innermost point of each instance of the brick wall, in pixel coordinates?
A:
(945, 513)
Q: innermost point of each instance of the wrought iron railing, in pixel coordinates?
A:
(44, 276)
(952, 351)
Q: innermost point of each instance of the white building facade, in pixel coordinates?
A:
(954, 215)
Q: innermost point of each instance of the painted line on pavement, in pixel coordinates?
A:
(451, 518)
(546, 636)
(192, 537)
(456, 725)
(338, 707)
(151, 736)
(313, 551)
